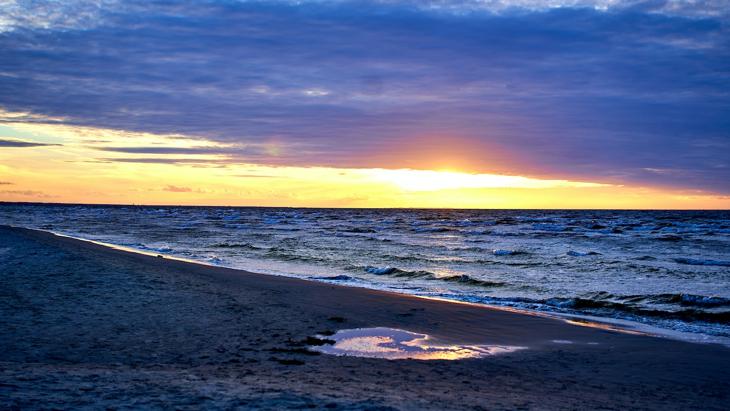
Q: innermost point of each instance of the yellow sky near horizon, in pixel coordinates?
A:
(79, 170)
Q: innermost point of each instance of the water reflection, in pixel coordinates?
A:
(395, 344)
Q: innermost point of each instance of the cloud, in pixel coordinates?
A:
(166, 150)
(27, 193)
(19, 143)
(587, 91)
(92, 141)
(5, 183)
(88, 14)
(176, 189)
(257, 176)
(161, 160)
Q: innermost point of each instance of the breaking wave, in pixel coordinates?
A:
(427, 275)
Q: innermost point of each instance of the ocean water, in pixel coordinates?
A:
(665, 269)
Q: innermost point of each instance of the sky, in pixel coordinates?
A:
(383, 103)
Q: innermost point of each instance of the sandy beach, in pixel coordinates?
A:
(86, 327)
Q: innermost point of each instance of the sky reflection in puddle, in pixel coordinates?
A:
(395, 344)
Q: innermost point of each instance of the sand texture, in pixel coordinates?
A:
(84, 326)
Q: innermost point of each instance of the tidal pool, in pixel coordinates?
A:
(395, 344)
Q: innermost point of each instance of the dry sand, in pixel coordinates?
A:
(86, 326)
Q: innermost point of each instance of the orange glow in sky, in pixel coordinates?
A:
(77, 169)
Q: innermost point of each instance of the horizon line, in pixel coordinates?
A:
(41, 203)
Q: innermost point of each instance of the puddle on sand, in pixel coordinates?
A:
(395, 344)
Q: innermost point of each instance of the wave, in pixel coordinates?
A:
(433, 259)
(433, 230)
(236, 226)
(140, 246)
(687, 307)
(238, 245)
(581, 254)
(388, 270)
(427, 275)
(465, 279)
(500, 252)
(286, 255)
(406, 258)
(363, 230)
(697, 300)
(381, 239)
(680, 306)
(506, 221)
(669, 238)
(335, 278)
(479, 232)
(683, 299)
(689, 314)
(693, 261)
(502, 262)
(474, 249)
(551, 227)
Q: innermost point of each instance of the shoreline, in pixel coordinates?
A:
(85, 325)
(219, 269)
(585, 320)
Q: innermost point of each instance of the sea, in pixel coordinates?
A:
(660, 270)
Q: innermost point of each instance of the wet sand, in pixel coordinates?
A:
(87, 326)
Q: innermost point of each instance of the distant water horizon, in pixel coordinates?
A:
(664, 268)
(72, 204)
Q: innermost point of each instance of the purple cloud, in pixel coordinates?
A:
(19, 143)
(573, 93)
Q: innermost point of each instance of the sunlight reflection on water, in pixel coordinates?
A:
(395, 344)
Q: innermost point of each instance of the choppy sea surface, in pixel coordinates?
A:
(666, 269)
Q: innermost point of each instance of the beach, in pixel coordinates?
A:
(88, 326)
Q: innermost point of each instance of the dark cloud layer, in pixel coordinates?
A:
(625, 95)
(166, 150)
(160, 160)
(19, 143)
